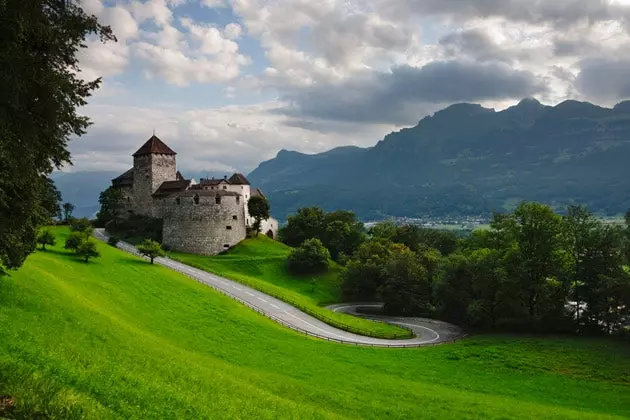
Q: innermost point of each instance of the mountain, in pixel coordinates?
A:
(467, 160)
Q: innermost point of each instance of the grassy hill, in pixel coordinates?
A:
(261, 263)
(120, 338)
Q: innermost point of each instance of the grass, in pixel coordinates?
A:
(261, 263)
(120, 338)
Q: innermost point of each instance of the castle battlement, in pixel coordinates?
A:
(203, 218)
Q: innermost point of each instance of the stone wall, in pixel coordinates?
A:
(269, 225)
(149, 172)
(203, 228)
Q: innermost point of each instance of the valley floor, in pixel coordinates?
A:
(120, 338)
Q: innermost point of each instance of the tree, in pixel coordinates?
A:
(111, 205)
(81, 225)
(311, 257)
(41, 90)
(406, 290)
(151, 249)
(530, 238)
(51, 200)
(307, 223)
(87, 249)
(68, 208)
(342, 237)
(46, 237)
(74, 240)
(258, 208)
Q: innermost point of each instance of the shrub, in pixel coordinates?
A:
(311, 257)
(87, 249)
(74, 240)
(81, 225)
(151, 249)
(113, 240)
(46, 237)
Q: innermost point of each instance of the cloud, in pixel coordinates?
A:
(608, 80)
(407, 93)
(238, 137)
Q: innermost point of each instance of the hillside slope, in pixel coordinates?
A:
(120, 338)
(465, 160)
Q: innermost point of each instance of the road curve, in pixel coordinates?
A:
(427, 332)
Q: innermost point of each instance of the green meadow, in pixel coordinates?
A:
(120, 338)
(261, 263)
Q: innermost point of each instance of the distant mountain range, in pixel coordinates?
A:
(467, 160)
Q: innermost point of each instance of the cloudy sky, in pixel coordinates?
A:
(228, 84)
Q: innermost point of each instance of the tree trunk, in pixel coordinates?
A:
(152, 260)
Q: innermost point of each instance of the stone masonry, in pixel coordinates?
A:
(201, 218)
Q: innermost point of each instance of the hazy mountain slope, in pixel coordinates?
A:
(467, 159)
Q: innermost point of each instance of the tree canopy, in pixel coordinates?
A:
(258, 208)
(41, 91)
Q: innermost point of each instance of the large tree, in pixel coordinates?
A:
(258, 208)
(111, 206)
(40, 92)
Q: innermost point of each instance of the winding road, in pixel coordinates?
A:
(427, 331)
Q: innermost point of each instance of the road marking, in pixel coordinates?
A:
(321, 329)
(261, 299)
(237, 288)
(274, 306)
(249, 293)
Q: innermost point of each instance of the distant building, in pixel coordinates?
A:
(202, 218)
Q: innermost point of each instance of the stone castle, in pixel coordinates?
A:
(202, 218)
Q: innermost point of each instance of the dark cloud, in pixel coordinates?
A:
(605, 79)
(406, 93)
(474, 43)
(556, 12)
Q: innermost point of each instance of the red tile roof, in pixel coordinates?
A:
(154, 146)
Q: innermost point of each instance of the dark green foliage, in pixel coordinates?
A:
(363, 275)
(68, 208)
(113, 240)
(406, 290)
(81, 225)
(466, 160)
(309, 258)
(87, 249)
(46, 237)
(41, 91)
(416, 237)
(307, 223)
(74, 240)
(137, 227)
(151, 249)
(111, 206)
(258, 208)
(339, 231)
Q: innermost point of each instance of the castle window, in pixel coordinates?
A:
(234, 217)
(228, 227)
(225, 187)
(217, 199)
(178, 201)
(196, 198)
(238, 200)
(226, 246)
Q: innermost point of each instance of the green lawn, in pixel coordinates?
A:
(261, 263)
(120, 338)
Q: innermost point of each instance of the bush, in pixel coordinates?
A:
(311, 257)
(74, 240)
(113, 240)
(81, 225)
(46, 237)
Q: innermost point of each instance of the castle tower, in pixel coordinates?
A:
(153, 164)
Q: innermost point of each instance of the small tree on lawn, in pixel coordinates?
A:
(87, 249)
(46, 237)
(74, 240)
(68, 208)
(151, 249)
(258, 208)
(81, 225)
(311, 257)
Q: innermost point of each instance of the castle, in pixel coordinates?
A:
(201, 218)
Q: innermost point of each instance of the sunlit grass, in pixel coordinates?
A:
(120, 338)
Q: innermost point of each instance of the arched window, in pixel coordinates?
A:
(178, 201)
(217, 199)
(196, 198)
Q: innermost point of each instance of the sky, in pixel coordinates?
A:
(227, 84)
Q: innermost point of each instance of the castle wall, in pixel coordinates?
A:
(128, 203)
(149, 172)
(270, 224)
(202, 228)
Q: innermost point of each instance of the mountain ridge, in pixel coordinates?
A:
(466, 159)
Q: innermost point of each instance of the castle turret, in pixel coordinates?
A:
(153, 164)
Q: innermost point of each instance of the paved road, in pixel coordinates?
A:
(427, 332)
